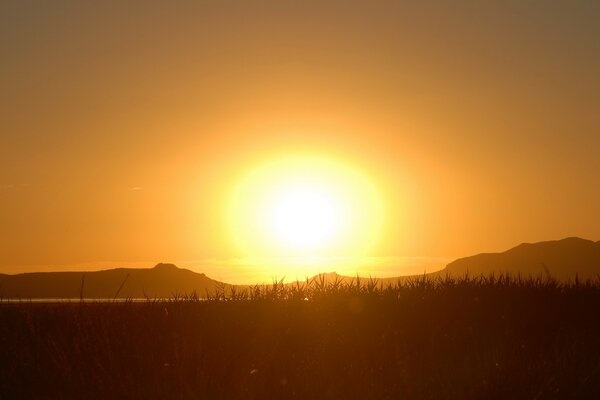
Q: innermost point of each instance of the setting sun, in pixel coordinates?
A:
(305, 216)
(305, 206)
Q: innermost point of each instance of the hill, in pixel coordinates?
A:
(164, 280)
(561, 259)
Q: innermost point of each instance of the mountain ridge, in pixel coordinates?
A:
(562, 259)
(163, 280)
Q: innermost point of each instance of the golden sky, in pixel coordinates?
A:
(125, 126)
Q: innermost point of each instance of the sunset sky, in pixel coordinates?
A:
(127, 127)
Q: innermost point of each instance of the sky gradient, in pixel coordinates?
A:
(124, 125)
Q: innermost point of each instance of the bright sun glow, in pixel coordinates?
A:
(305, 216)
(305, 206)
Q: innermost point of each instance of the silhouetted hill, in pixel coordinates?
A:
(562, 259)
(164, 280)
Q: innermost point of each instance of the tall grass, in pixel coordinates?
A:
(485, 337)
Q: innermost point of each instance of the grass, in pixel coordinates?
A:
(469, 338)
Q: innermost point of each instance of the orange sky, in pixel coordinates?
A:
(123, 128)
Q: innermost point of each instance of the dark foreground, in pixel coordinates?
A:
(483, 338)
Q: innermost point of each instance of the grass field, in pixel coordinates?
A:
(482, 338)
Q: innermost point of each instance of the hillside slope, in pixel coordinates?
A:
(561, 259)
(164, 280)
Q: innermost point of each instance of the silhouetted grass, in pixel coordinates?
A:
(494, 337)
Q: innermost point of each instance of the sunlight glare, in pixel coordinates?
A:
(304, 206)
(304, 217)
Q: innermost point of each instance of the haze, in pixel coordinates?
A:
(125, 127)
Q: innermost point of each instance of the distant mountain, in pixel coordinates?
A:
(561, 259)
(164, 280)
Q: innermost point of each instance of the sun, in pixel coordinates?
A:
(305, 216)
(304, 206)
